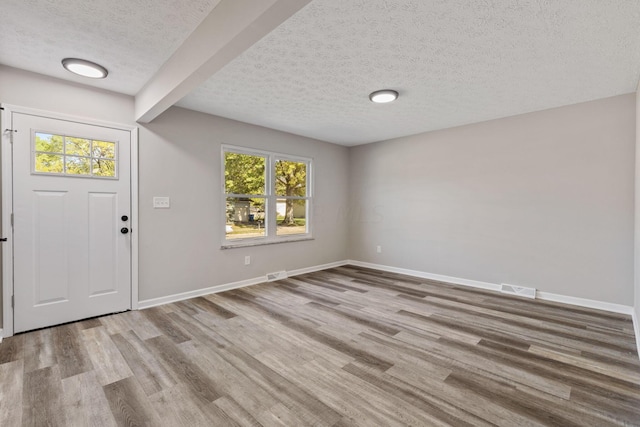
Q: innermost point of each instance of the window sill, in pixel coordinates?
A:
(264, 243)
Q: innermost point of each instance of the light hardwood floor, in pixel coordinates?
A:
(346, 346)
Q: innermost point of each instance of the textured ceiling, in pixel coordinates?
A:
(131, 38)
(454, 62)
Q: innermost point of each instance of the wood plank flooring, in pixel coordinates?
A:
(342, 347)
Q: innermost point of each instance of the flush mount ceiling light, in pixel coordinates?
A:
(383, 96)
(85, 68)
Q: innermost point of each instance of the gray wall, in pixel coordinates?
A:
(180, 247)
(180, 157)
(32, 90)
(543, 200)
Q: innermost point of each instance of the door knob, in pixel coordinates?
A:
(124, 230)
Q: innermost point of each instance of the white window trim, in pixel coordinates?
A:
(271, 236)
(64, 173)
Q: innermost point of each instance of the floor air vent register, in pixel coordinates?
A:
(519, 291)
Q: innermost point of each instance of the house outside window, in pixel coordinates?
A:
(267, 197)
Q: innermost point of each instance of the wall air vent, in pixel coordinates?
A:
(519, 291)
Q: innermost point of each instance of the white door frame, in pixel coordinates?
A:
(6, 163)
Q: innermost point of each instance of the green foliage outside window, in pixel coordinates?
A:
(58, 154)
(244, 173)
(247, 192)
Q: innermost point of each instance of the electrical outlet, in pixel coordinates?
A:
(161, 202)
(379, 249)
(247, 260)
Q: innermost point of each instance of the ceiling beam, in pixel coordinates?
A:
(231, 28)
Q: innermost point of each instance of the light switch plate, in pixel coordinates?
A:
(161, 202)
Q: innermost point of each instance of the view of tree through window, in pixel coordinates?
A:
(291, 188)
(266, 195)
(245, 178)
(67, 155)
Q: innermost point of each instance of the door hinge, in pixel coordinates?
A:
(11, 132)
(12, 219)
(13, 301)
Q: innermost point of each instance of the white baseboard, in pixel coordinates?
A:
(425, 275)
(1, 335)
(229, 286)
(583, 302)
(153, 302)
(548, 296)
(636, 329)
(317, 268)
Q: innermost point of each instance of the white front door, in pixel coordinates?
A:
(72, 209)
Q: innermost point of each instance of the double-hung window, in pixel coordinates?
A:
(267, 197)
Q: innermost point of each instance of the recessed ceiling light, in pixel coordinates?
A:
(383, 96)
(85, 68)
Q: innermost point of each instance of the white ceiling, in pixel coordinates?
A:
(131, 38)
(454, 62)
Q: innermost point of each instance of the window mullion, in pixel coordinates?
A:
(271, 201)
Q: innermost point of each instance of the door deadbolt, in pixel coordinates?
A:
(125, 218)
